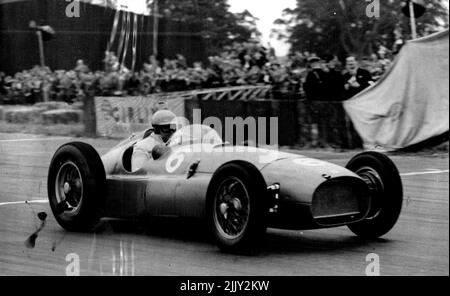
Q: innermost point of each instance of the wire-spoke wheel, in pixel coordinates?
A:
(232, 208)
(76, 183)
(386, 193)
(237, 207)
(69, 187)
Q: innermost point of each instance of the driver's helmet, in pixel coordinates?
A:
(163, 117)
(164, 123)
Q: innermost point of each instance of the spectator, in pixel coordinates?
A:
(151, 76)
(356, 79)
(153, 66)
(3, 91)
(260, 58)
(374, 67)
(181, 61)
(81, 67)
(198, 75)
(335, 81)
(298, 60)
(111, 62)
(383, 61)
(316, 81)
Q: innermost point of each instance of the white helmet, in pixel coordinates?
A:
(163, 117)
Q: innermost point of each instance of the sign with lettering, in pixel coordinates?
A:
(122, 116)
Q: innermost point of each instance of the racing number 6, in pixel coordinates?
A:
(174, 162)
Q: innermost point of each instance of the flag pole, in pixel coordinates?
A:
(413, 20)
(155, 27)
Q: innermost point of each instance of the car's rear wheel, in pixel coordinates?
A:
(237, 208)
(385, 186)
(76, 183)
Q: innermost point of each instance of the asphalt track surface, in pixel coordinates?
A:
(418, 245)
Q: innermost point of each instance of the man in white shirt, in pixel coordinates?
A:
(164, 124)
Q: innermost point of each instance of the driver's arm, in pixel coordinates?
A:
(139, 158)
(142, 153)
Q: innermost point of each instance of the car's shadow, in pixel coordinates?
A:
(276, 241)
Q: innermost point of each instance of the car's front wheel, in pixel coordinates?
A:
(385, 186)
(76, 183)
(237, 208)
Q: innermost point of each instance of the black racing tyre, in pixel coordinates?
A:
(237, 207)
(76, 183)
(386, 190)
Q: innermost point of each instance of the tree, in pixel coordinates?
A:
(343, 26)
(212, 19)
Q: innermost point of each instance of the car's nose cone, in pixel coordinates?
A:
(299, 177)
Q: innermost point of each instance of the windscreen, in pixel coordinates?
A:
(195, 134)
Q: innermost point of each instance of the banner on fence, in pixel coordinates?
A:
(122, 116)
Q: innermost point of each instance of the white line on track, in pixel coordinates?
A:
(33, 139)
(426, 173)
(10, 203)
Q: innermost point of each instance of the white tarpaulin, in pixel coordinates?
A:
(410, 102)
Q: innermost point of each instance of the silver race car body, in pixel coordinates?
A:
(304, 192)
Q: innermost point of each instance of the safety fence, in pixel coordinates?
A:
(299, 122)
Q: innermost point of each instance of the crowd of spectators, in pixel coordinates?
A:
(328, 79)
(241, 64)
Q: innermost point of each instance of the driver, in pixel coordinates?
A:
(164, 125)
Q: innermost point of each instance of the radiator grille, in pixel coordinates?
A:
(340, 201)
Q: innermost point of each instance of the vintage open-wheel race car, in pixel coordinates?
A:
(239, 191)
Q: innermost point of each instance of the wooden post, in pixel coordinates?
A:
(44, 88)
(90, 123)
